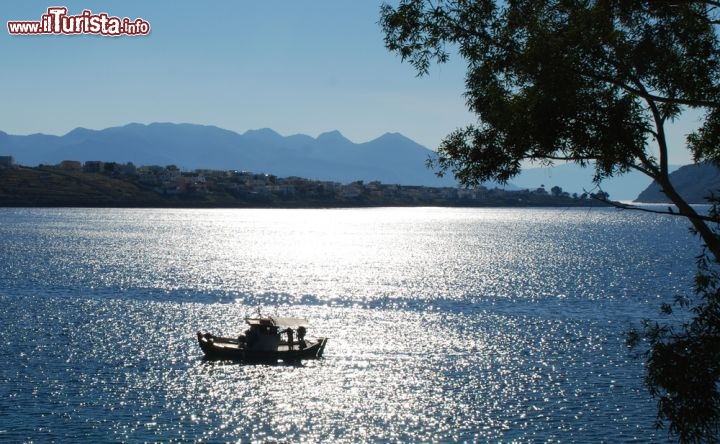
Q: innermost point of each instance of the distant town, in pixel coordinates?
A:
(111, 184)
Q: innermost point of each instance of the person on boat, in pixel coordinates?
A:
(301, 337)
(290, 338)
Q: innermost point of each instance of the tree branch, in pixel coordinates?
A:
(623, 206)
(561, 158)
(647, 95)
(707, 2)
(647, 169)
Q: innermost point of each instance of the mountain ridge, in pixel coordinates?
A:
(390, 158)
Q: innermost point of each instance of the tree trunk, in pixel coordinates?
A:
(712, 241)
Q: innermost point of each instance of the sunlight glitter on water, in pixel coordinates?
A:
(444, 324)
(363, 254)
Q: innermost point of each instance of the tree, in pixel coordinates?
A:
(593, 82)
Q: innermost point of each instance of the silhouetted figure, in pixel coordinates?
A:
(301, 337)
(290, 338)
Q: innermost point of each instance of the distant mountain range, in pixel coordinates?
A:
(391, 158)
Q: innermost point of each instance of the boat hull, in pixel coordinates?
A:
(219, 348)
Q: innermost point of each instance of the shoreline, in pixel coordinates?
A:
(53, 187)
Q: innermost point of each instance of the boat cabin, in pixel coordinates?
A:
(264, 333)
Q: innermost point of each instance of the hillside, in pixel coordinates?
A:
(38, 187)
(115, 185)
(693, 182)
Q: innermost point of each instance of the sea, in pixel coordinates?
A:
(444, 324)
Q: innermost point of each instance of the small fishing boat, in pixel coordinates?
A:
(267, 339)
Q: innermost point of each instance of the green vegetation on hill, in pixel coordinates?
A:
(47, 187)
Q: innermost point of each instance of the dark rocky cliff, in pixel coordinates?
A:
(694, 183)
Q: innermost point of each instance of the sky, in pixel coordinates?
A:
(295, 66)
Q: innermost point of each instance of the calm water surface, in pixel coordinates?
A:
(445, 324)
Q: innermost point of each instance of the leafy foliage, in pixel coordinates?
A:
(684, 366)
(593, 82)
(559, 80)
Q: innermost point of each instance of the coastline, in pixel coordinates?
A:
(45, 186)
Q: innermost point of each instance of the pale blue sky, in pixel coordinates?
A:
(295, 66)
